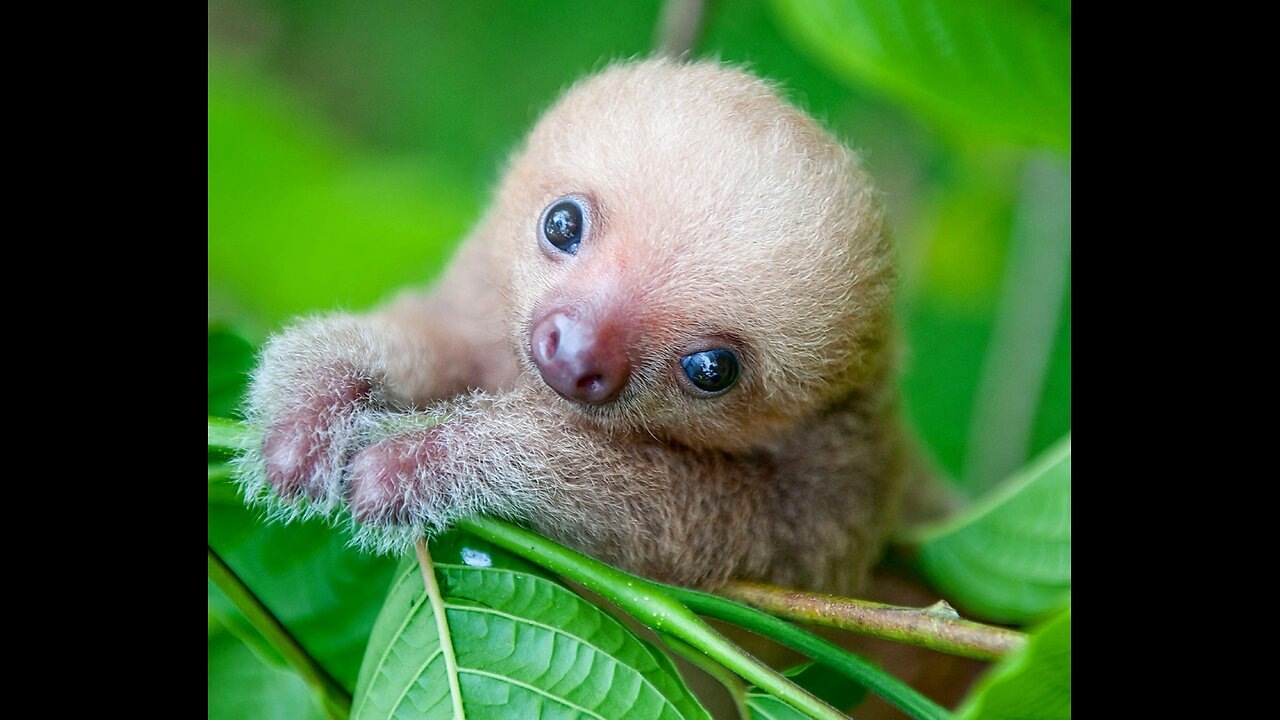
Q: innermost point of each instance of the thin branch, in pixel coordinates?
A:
(335, 699)
(937, 627)
(894, 691)
(229, 435)
(679, 23)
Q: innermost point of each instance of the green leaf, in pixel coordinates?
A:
(1034, 683)
(222, 486)
(767, 707)
(656, 605)
(1008, 558)
(830, 686)
(243, 687)
(997, 68)
(525, 646)
(230, 360)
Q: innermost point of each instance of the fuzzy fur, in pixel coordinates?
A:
(719, 215)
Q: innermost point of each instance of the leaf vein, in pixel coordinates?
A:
(412, 682)
(382, 661)
(560, 631)
(539, 691)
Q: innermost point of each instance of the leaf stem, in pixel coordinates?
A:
(732, 684)
(679, 23)
(226, 434)
(335, 699)
(442, 626)
(934, 628)
(1025, 326)
(893, 690)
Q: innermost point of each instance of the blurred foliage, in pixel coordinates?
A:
(299, 222)
(351, 146)
(327, 594)
(828, 685)
(1008, 557)
(1032, 683)
(262, 690)
(230, 360)
(997, 68)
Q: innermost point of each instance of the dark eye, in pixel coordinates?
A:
(563, 225)
(714, 371)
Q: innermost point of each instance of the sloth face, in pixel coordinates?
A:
(693, 257)
(581, 351)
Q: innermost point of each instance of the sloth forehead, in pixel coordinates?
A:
(709, 138)
(700, 157)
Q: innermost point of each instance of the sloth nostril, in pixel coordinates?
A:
(550, 344)
(544, 342)
(591, 382)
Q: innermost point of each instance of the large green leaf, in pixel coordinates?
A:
(1009, 558)
(522, 646)
(1001, 68)
(1034, 683)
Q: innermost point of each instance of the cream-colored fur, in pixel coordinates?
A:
(718, 211)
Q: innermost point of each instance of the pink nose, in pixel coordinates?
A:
(580, 359)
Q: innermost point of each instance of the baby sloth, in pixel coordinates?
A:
(667, 344)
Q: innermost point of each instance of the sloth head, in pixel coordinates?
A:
(693, 257)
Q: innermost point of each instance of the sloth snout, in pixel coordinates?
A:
(579, 356)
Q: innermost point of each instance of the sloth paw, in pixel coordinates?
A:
(304, 450)
(388, 480)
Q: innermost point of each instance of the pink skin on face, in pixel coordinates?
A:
(580, 356)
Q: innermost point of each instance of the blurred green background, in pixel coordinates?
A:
(351, 146)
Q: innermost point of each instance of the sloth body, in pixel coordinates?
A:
(667, 343)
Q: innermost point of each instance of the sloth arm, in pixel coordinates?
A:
(318, 377)
(665, 511)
